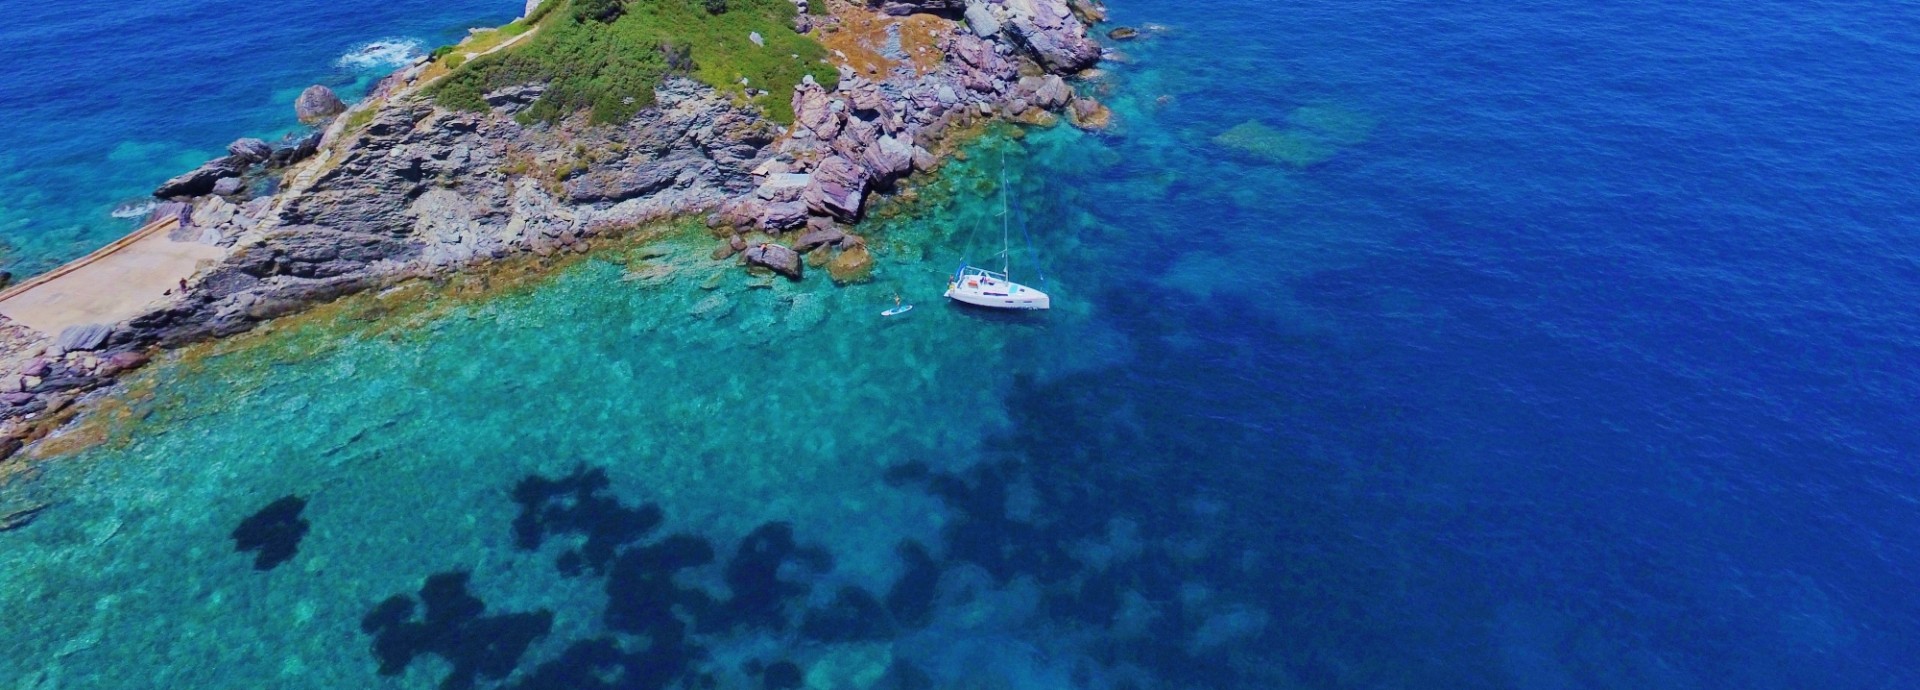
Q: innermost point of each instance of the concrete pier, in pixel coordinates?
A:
(115, 283)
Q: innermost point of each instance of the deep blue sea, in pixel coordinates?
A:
(1533, 345)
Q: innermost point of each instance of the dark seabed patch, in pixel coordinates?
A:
(273, 535)
(579, 504)
(1068, 585)
(455, 628)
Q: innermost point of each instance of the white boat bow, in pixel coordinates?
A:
(984, 288)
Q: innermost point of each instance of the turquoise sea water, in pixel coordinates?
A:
(1397, 346)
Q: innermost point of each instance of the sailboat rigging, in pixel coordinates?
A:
(983, 288)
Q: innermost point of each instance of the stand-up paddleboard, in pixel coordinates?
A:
(896, 311)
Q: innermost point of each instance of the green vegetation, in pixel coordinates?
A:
(359, 119)
(603, 11)
(606, 56)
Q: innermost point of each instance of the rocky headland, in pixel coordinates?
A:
(401, 187)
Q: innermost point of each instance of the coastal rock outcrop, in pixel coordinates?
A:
(317, 104)
(420, 190)
(80, 338)
(838, 188)
(901, 8)
(817, 237)
(294, 149)
(1047, 92)
(981, 20)
(200, 181)
(1056, 38)
(250, 151)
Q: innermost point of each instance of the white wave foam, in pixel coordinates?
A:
(384, 54)
(135, 209)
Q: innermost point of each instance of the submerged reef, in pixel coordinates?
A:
(1030, 556)
(497, 147)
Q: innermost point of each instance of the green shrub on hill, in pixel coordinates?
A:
(603, 11)
(610, 66)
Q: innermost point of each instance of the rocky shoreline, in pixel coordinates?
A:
(401, 188)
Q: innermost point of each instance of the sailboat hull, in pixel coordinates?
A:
(998, 294)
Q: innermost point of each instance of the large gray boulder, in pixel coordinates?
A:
(817, 237)
(295, 150)
(781, 201)
(229, 186)
(838, 189)
(901, 8)
(1047, 92)
(78, 338)
(201, 181)
(782, 187)
(781, 216)
(889, 158)
(814, 109)
(250, 150)
(318, 104)
(981, 20)
(779, 259)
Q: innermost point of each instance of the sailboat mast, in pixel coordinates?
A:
(1006, 223)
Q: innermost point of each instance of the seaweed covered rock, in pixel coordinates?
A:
(854, 265)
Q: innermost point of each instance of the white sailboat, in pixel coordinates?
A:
(983, 288)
